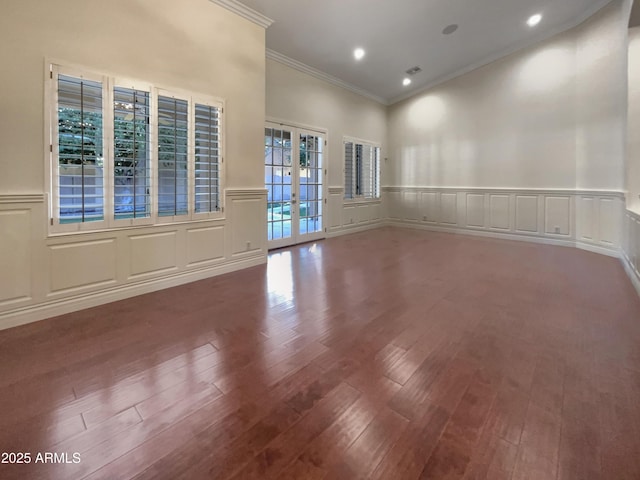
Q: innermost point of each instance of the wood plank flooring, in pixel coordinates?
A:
(390, 354)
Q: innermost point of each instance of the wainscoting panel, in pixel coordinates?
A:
(411, 206)
(152, 253)
(557, 215)
(475, 209)
(631, 247)
(430, 206)
(590, 220)
(609, 210)
(526, 213)
(394, 204)
(347, 216)
(205, 245)
(587, 219)
(334, 220)
(248, 236)
(449, 208)
(15, 255)
(499, 212)
(82, 265)
(55, 274)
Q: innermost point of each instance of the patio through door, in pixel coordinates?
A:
(294, 173)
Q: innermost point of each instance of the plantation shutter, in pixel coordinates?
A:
(80, 156)
(207, 159)
(349, 180)
(173, 132)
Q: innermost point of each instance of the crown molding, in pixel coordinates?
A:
(245, 12)
(505, 53)
(290, 62)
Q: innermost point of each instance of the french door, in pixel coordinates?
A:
(294, 170)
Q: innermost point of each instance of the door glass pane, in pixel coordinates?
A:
(310, 180)
(277, 154)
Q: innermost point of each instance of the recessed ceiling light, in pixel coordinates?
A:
(534, 20)
(406, 81)
(449, 29)
(358, 53)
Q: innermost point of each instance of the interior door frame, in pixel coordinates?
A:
(297, 129)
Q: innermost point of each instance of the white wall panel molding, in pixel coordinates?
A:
(22, 198)
(246, 192)
(631, 247)
(32, 313)
(153, 253)
(21, 254)
(586, 219)
(348, 216)
(205, 245)
(15, 256)
(245, 12)
(506, 190)
(63, 273)
(248, 237)
(79, 266)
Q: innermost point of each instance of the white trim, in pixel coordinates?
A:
(347, 229)
(533, 238)
(303, 126)
(609, 252)
(246, 192)
(532, 191)
(528, 42)
(21, 316)
(633, 275)
(245, 12)
(22, 198)
(301, 67)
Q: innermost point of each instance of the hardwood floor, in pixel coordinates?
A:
(390, 354)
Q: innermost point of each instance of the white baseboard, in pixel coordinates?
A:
(484, 233)
(632, 273)
(33, 313)
(355, 229)
(610, 252)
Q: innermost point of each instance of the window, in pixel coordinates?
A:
(361, 169)
(80, 178)
(124, 154)
(173, 163)
(132, 154)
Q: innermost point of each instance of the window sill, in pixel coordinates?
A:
(123, 228)
(361, 201)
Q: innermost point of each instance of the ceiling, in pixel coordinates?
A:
(400, 34)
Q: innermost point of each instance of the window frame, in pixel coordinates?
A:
(54, 146)
(109, 83)
(376, 151)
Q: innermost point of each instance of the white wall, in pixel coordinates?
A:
(633, 128)
(601, 98)
(300, 98)
(193, 45)
(532, 145)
